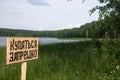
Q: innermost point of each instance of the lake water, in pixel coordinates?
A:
(42, 41)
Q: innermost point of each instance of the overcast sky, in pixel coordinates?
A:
(45, 14)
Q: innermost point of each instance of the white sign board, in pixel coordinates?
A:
(21, 49)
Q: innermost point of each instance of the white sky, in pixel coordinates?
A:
(45, 14)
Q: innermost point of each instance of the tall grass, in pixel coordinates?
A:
(89, 60)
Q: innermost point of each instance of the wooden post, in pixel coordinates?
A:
(23, 70)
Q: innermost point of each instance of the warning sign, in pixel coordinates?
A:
(21, 49)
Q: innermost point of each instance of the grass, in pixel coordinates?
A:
(89, 60)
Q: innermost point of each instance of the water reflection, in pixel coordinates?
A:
(42, 41)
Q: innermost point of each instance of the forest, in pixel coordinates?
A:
(95, 29)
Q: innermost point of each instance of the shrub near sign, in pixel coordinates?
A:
(21, 49)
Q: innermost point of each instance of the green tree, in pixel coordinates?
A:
(109, 10)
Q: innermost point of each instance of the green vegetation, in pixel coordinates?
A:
(95, 29)
(88, 60)
(109, 13)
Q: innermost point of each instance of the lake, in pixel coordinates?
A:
(42, 41)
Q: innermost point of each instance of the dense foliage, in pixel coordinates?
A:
(109, 10)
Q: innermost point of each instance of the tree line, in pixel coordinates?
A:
(95, 29)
